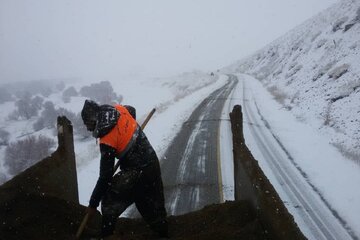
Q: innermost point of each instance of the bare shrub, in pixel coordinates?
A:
(315, 36)
(76, 120)
(5, 95)
(321, 43)
(279, 96)
(4, 137)
(349, 153)
(338, 24)
(39, 124)
(24, 153)
(79, 127)
(327, 115)
(101, 92)
(68, 93)
(339, 71)
(37, 102)
(13, 115)
(60, 86)
(25, 108)
(323, 70)
(49, 115)
(293, 71)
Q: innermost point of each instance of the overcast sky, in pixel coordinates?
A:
(111, 39)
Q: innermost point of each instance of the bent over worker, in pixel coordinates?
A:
(139, 180)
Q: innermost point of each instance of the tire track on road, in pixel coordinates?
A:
(190, 170)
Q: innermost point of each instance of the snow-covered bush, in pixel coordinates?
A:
(293, 71)
(25, 107)
(101, 92)
(24, 153)
(339, 71)
(279, 96)
(49, 114)
(39, 124)
(323, 70)
(4, 137)
(321, 43)
(68, 93)
(37, 102)
(5, 95)
(338, 24)
(60, 86)
(357, 18)
(76, 120)
(46, 92)
(48, 117)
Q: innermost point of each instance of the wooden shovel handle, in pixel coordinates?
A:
(82, 226)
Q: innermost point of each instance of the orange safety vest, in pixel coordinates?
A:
(123, 134)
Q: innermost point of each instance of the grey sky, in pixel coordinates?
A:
(111, 39)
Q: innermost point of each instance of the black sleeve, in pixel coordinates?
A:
(106, 172)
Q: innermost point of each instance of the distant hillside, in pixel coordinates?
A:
(314, 71)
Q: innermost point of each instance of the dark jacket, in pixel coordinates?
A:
(137, 157)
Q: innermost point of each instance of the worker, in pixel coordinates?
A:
(139, 180)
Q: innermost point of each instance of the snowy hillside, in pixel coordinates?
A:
(314, 72)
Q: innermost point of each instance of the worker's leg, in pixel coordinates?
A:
(150, 199)
(111, 209)
(119, 197)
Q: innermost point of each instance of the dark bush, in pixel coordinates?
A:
(46, 91)
(5, 95)
(24, 153)
(60, 86)
(338, 24)
(101, 92)
(39, 124)
(79, 127)
(68, 93)
(4, 137)
(25, 108)
(37, 102)
(48, 117)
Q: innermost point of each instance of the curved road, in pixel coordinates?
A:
(190, 168)
(319, 220)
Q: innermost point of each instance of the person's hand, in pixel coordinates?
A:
(91, 211)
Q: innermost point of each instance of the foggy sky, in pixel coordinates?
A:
(112, 39)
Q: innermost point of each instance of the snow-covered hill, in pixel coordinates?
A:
(314, 71)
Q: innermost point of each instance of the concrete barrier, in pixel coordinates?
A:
(252, 185)
(53, 176)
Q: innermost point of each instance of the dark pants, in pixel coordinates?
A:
(140, 186)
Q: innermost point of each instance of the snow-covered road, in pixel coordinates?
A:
(320, 221)
(191, 166)
(315, 215)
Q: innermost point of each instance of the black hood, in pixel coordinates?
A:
(89, 111)
(107, 118)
